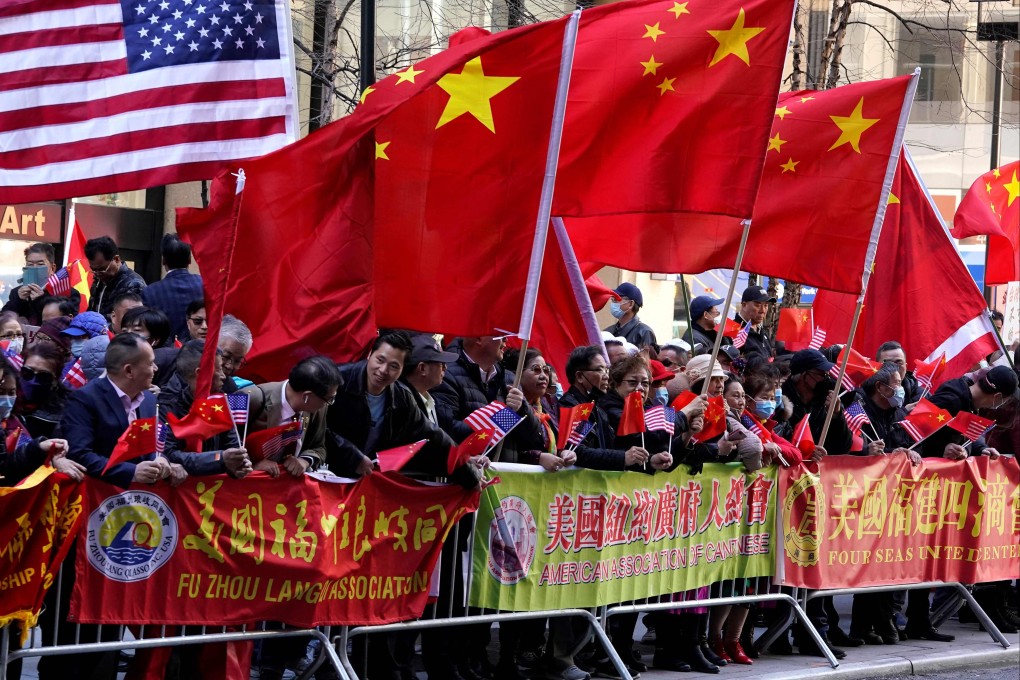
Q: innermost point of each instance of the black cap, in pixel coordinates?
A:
(425, 349)
(631, 292)
(809, 359)
(999, 380)
(702, 304)
(756, 294)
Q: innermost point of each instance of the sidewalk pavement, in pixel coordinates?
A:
(972, 649)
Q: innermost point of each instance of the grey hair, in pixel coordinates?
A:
(234, 329)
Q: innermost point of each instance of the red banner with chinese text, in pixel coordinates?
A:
(223, 551)
(39, 515)
(878, 520)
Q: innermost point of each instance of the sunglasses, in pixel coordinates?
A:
(32, 375)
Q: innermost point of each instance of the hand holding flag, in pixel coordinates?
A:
(474, 445)
(924, 421)
(632, 420)
(138, 439)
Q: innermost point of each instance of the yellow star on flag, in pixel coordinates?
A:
(678, 9)
(805, 100)
(1013, 187)
(408, 75)
(734, 40)
(666, 86)
(217, 408)
(790, 166)
(996, 174)
(653, 31)
(775, 143)
(988, 187)
(941, 417)
(364, 95)
(651, 66)
(470, 92)
(892, 199)
(781, 112)
(380, 151)
(145, 426)
(852, 127)
(804, 317)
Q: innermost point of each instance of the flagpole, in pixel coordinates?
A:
(876, 233)
(726, 304)
(687, 310)
(584, 305)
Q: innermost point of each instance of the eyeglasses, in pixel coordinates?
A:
(539, 370)
(42, 377)
(601, 370)
(197, 320)
(11, 335)
(329, 402)
(667, 363)
(102, 270)
(637, 383)
(232, 360)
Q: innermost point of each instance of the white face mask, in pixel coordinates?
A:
(16, 345)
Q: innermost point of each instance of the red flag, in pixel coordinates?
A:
(207, 417)
(969, 425)
(472, 446)
(991, 207)
(795, 328)
(731, 328)
(925, 419)
(859, 367)
(918, 276)
(394, 459)
(139, 439)
(802, 437)
(569, 417)
(80, 274)
(929, 374)
(75, 377)
(715, 420)
(273, 443)
(632, 420)
(810, 223)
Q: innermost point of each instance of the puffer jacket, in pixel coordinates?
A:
(93, 356)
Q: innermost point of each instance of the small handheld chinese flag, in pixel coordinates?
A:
(632, 420)
(715, 420)
(858, 368)
(396, 458)
(683, 399)
(802, 437)
(928, 374)
(925, 419)
(795, 328)
(207, 417)
(970, 425)
(139, 439)
(731, 328)
(472, 446)
(570, 416)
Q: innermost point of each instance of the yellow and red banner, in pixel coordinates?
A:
(878, 520)
(308, 552)
(39, 515)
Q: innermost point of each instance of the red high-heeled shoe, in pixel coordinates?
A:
(719, 648)
(736, 652)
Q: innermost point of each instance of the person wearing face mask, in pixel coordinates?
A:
(760, 406)
(28, 300)
(705, 317)
(628, 326)
(892, 352)
(809, 389)
(12, 332)
(986, 389)
(42, 395)
(660, 376)
(85, 326)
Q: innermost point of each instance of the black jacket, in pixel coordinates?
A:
(103, 294)
(884, 420)
(178, 401)
(954, 396)
(839, 439)
(31, 310)
(21, 462)
(697, 335)
(349, 423)
(595, 450)
(654, 442)
(462, 392)
(636, 333)
(756, 340)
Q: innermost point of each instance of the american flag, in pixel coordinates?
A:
(111, 95)
(495, 416)
(741, 338)
(848, 382)
(660, 418)
(75, 376)
(161, 429)
(971, 426)
(752, 424)
(59, 283)
(238, 403)
(579, 432)
(13, 357)
(817, 339)
(280, 441)
(855, 417)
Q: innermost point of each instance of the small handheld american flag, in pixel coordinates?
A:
(238, 404)
(161, 429)
(580, 431)
(75, 377)
(13, 356)
(280, 441)
(495, 416)
(660, 418)
(59, 283)
(741, 338)
(752, 424)
(855, 417)
(817, 339)
(848, 382)
(971, 426)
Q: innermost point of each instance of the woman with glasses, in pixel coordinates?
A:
(12, 332)
(41, 394)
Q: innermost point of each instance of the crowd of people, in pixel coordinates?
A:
(139, 348)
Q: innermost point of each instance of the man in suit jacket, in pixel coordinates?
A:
(306, 394)
(98, 414)
(179, 288)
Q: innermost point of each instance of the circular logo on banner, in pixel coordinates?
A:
(131, 535)
(803, 501)
(512, 539)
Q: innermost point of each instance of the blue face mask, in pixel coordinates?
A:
(899, 394)
(559, 391)
(779, 395)
(764, 407)
(616, 309)
(77, 346)
(6, 406)
(661, 396)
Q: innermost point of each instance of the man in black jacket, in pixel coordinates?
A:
(754, 305)
(705, 316)
(113, 277)
(28, 300)
(892, 352)
(628, 326)
(968, 394)
(809, 389)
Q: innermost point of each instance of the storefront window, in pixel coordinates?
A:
(123, 199)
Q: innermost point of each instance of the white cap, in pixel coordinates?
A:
(678, 343)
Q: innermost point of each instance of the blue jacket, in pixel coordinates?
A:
(172, 295)
(92, 421)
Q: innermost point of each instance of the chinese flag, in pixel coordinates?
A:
(918, 276)
(715, 420)
(569, 417)
(667, 128)
(139, 439)
(795, 328)
(991, 207)
(802, 437)
(925, 419)
(477, 443)
(730, 329)
(632, 420)
(207, 417)
(858, 367)
(394, 459)
(969, 425)
(929, 373)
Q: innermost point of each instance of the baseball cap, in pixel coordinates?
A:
(702, 304)
(756, 294)
(425, 348)
(631, 292)
(659, 371)
(809, 359)
(999, 380)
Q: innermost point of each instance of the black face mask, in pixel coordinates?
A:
(823, 387)
(593, 391)
(35, 391)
